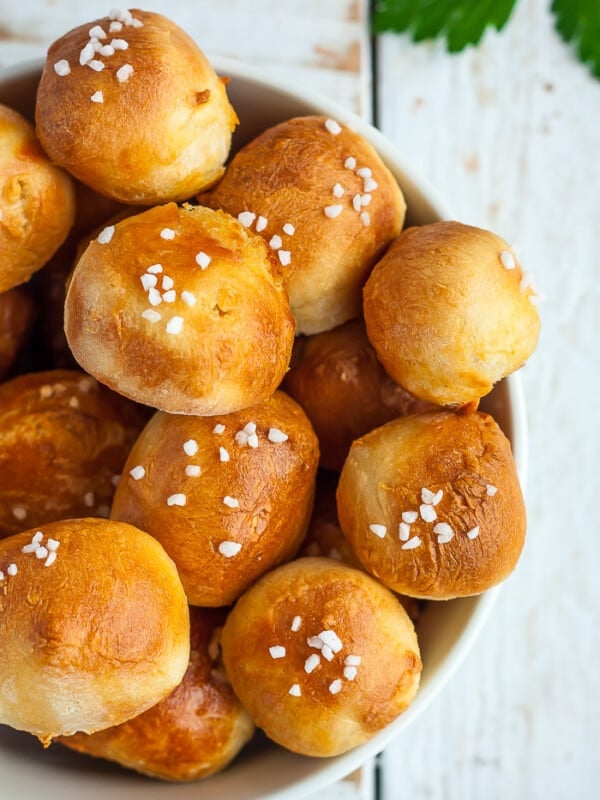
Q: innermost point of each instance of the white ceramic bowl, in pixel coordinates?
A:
(446, 630)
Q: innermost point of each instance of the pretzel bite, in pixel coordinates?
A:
(37, 202)
(431, 504)
(63, 442)
(94, 627)
(181, 309)
(130, 105)
(228, 497)
(326, 203)
(450, 311)
(338, 381)
(17, 315)
(196, 731)
(321, 655)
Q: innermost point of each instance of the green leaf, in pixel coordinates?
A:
(578, 22)
(460, 22)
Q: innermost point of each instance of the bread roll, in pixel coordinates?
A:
(431, 504)
(94, 627)
(63, 442)
(327, 204)
(181, 309)
(17, 315)
(196, 731)
(338, 381)
(450, 311)
(130, 105)
(228, 497)
(321, 655)
(37, 202)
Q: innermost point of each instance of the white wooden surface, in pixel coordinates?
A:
(509, 134)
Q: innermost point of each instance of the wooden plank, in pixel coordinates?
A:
(509, 136)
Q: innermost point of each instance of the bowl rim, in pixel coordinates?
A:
(334, 769)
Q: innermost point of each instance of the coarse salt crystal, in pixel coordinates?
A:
(490, 489)
(178, 499)
(193, 471)
(188, 298)
(315, 641)
(88, 499)
(364, 172)
(332, 640)
(409, 516)
(202, 259)
(241, 438)
(148, 281)
(167, 233)
(378, 530)
(41, 552)
(285, 257)
(311, 663)
(170, 296)
(219, 428)
(507, 259)
(350, 163)
(431, 498)
(277, 436)
(246, 218)
(327, 652)
(473, 533)
(106, 235)
(333, 211)
(155, 269)
(356, 203)
(365, 218)
(229, 549)
(404, 532)
(223, 454)
(1, 575)
(123, 74)
(12, 570)
(333, 126)
(86, 54)
(288, 228)
(37, 537)
(115, 480)
(338, 190)
(97, 32)
(277, 651)
(106, 50)
(295, 690)
(261, 223)
(350, 673)
(365, 199)
(353, 661)
(412, 543)
(19, 513)
(50, 560)
(154, 297)
(190, 447)
(335, 686)
(369, 185)
(62, 67)
(115, 27)
(231, 502)
(443, 529)
(52, 544)
(253, 440)
(45, 392)
(167, 282)
(118, 44)
(97, 97)
(137, 473)
(151, 315)
(275, 242)
(96, 65)
(296, 623)
(249, 428)
(175, 325)
(428, 513)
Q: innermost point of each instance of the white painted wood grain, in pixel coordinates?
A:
(510, 135)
